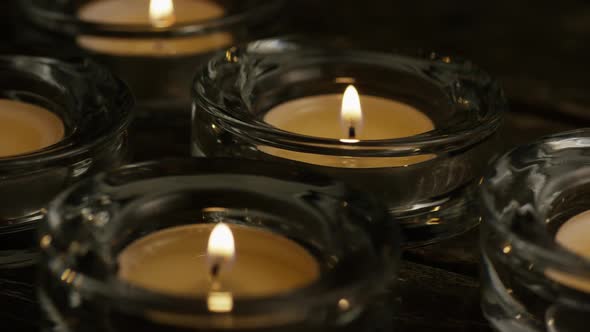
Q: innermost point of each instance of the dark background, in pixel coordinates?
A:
(538, 50)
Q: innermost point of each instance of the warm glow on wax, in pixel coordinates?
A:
(162, 13)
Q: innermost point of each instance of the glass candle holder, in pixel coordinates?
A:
(93, 226)
(155, 58)
(534, 280)
(428, 180)
(95, 111)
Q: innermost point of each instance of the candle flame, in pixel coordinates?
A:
(220, 302)
(351, 114)
(162, 13)
(221, 247)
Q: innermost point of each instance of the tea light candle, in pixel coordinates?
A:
(573, 235)
(26, 128)
(349, 118)
(203, 259)
(159, 14)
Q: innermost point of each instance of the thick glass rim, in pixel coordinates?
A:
(207, 97)
(530, 157)
(119, 106)
(126, 294)
(71, 24)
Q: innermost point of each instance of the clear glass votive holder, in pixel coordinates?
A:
(95, 110)
(90, 225)
(531, 282)
(159, 78)
(427, 181)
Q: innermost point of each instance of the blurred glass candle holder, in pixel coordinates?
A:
(60, 121)
(215, 244)
(154, 45)
(535, 236)
(414, 131)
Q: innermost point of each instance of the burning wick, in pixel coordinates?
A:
(215, 270)
(220, 249)
(351, 114)
(221, 252)
(351, 132)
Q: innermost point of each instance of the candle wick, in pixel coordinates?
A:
(215, 282)
(351, 132)
(215, 268)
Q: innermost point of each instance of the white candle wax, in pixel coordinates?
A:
(320, 116)
(26, 128)
(574, 235)
(136, 12)
(175, 261)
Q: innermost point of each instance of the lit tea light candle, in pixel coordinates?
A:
(573, 235)
(159, 14)
(350, 119)
(26, 128)
(204, 260)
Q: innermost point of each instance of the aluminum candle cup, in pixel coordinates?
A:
(535, 236)
(154, 52)
(215, 244)
(62, 121)
(424, 135)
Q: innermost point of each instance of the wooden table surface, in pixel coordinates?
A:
(539, 52)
